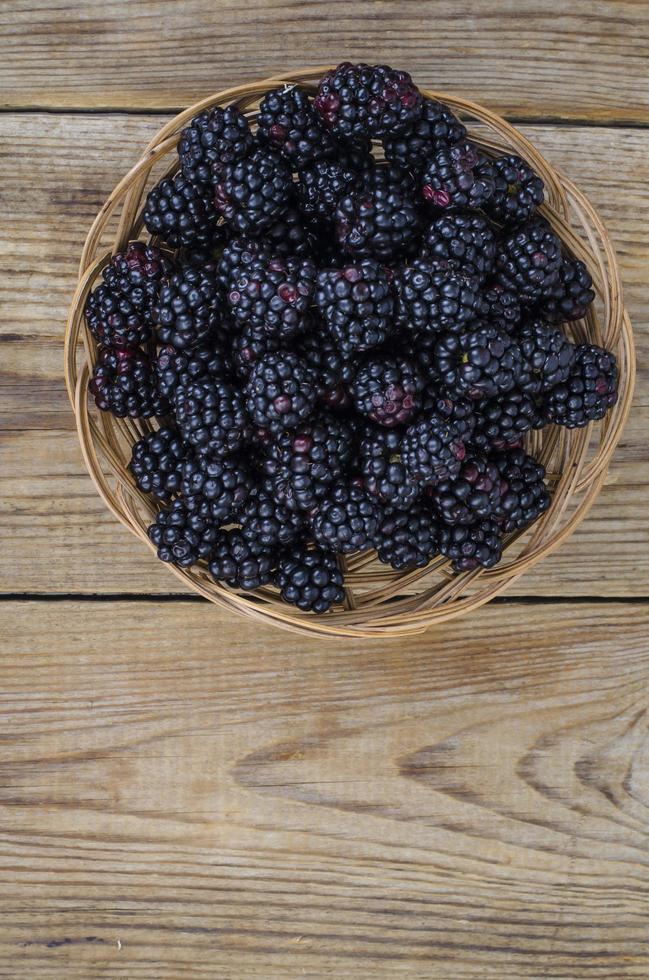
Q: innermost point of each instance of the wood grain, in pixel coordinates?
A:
(55, 529)
(583, 60)
(250, 804)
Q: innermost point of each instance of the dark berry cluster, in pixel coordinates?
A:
(342, 351)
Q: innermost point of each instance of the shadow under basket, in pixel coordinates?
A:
(379, 601)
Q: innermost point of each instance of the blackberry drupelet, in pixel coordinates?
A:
(357, 304)
(211, 416)
(113, 320)
(549, 354)
(136, 273)
(481, 363)
(123, 383)
(433, 301)
(367, 100)
(407, 539)
(387, 389)
(225, 482)
(589, 391)
(473, 495)
(181, 213)
(157, 461)
(310, 579)
(274, 295)
(235, 561)
(250, 346)
(502, 422)
(461, 240)
(432, 449)
(213, 138)
(435, 127)
(501, 307)
(457, 176)
(289, 123)
(347, 519)
(267, 524)
(322, 184)
(189, 310)
(381, 219)
(184, 532)
(280, 392)
(383, 470)
(252, 193)
(570, 296)
(471, 545)
(524, 495)
(528, 261)
(174, 367)
(518, 191)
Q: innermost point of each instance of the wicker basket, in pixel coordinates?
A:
(379, 601)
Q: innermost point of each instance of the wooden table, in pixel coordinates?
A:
(185, 795)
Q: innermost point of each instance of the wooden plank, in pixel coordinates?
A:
(253, 804)
(54, 528)
(581, 60)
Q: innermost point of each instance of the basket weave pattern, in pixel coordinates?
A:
(379, 600)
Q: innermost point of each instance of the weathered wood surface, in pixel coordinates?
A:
(187, 795)
(58, 536)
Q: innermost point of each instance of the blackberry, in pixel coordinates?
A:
(381, 219)
(322, 185)
(473, 495)
(432, 301)
(184, 532)
(529, 260)
(180, 212)
(157, 461)
(471, 545)
(310, 579)
(524, 496)
(136, 274)
(267, 524)
(113, 320)
(501, 307)
(548, 352)
(289, 123)
(461, 240)
(387, 389)
(235, 561)
(280, 392)
(225, 483)
(457, 176)
(383, 470)
(237, 255)
(435, 127)
(460, 411)
(174, 367)
(189, 310)
(502, 422)
(332, 371)
(518, 191)
(289, 234)
(252, 193)
(432, 449)
(273, 295)
(570, 296)
(357, 304)
(211, 416)
(123, 384)
(250, 346)
(589, 391)
(407, 539)
(213, 138)
(367, 100)
(347, 519)
(419, 347)
(482, 362)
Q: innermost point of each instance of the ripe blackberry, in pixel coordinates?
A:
(432, 449)
(460, 411)
(482, 362)
(381, 219)
(383, 470)
(549, 355)
(123, 384)
(189, 310)
(502, 422)
(213, 138)
(211, 416)
(473, 495)
(174, 367)
(518, 191)
(529, 260)
(280, 392)
(273, 295)
(113, 320)
(332, 371)
(457, 176)
(184, 532)
(235, 561)
(471, 545)
(570, 296)
(180, 213)
(433, 301)
(237, 255)
(267, 524)
(435, 127)
(225, 483)
(252, 193)
(407, 539)
(589, 391)
(524, 495)
(387, 389)
(248, 347)
(289, 234)
(461, 240)
(357, 304)
(136, 274)
(310, 579)
(347, 519)
(157, 461)
(289, 123)
(367, 100)
(419, 347)
(501, 307)
(322, 184)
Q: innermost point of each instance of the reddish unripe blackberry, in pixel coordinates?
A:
(518, 191)
(432, 449)
(124, 384)
(383, 470)
(570, 296)
(471, 545)
(387, 389)
(157, 461)
(432, 301)
(280, 392)
(407, 539)
(235, 561)
(461, 240)
(289, 123)
(273, 295)
(435, 127)
(252, 193)
(481, 362)
(310, 579)
(549, 355)
(180, 212)
(357, 304)
(524, 495)
(504, 421)
(213, 138)
(528, 261)
(381, 219)
(473, 495)
(457, 176)
(347, 519)
(225, 482)
(189, 309)
(184, 532)
(211, 416)
(367, 100)
(174, 367)
(589, 391)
